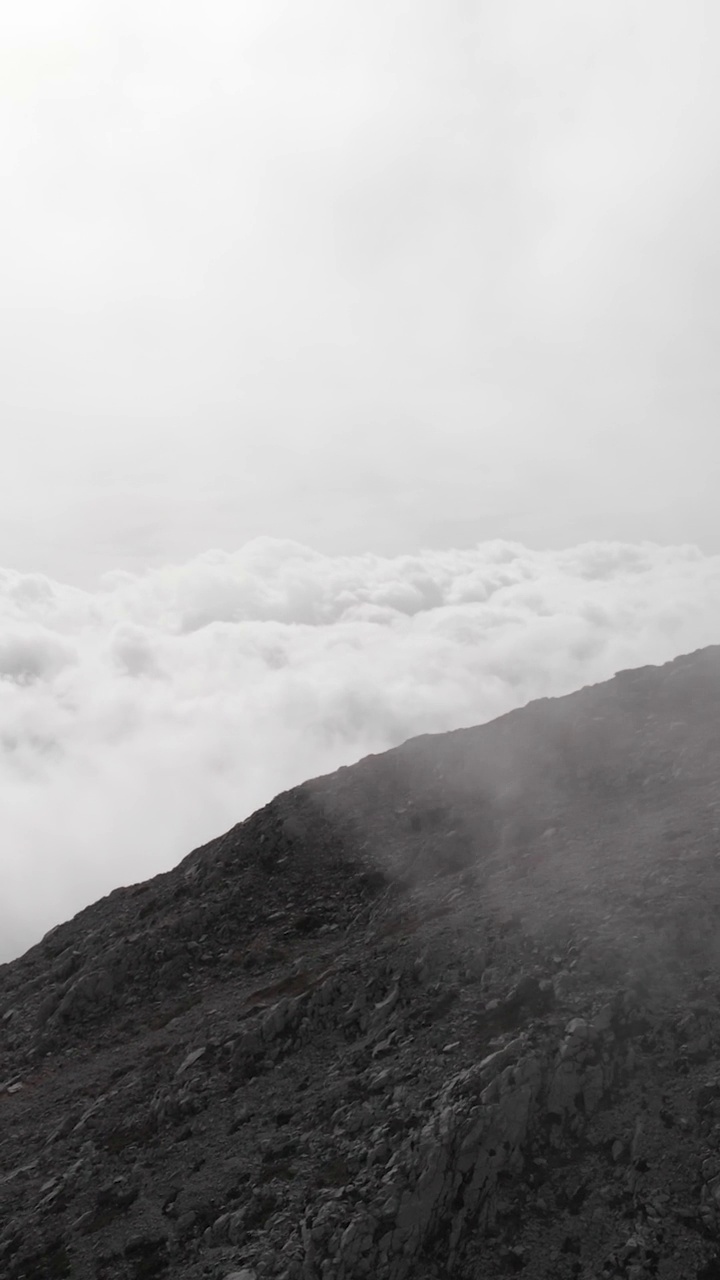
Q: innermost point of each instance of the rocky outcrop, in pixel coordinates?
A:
(452, 1012)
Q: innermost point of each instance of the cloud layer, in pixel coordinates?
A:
(141, 719)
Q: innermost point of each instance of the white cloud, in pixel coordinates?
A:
(140, 719)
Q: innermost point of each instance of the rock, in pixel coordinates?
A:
(190, 1060)
(330, 1049)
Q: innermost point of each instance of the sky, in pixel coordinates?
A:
(312, 315)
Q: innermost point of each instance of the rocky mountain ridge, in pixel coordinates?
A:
(451, 1012)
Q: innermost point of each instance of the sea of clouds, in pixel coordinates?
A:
(139, 719)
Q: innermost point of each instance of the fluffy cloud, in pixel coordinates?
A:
(140, 719)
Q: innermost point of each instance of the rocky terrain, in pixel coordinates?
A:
(451, 1012)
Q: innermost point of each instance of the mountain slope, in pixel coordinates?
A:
(450, 1012)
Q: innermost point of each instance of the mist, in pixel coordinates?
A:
(142, 718)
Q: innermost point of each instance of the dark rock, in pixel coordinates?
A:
(449, 1012)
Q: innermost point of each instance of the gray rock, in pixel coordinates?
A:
(190, 1060)
(355, 1110)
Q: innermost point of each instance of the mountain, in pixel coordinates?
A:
(451, 1012)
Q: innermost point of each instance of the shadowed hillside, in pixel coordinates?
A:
(451, 1012)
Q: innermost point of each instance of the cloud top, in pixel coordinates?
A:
(140, 719)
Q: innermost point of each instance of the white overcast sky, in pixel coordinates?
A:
(370, 274)
(359, 379)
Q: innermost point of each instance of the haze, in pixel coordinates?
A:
(338, 339)
(373, 276)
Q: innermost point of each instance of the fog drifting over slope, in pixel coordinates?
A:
(141, 719)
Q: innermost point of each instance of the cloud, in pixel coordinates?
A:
(140, 719)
